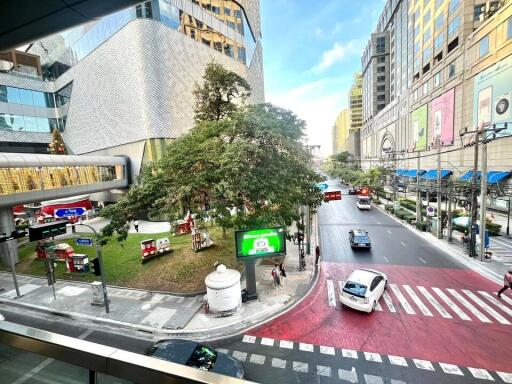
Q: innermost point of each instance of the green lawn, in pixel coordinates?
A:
(183, 270)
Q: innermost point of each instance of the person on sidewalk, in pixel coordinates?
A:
(317, 254)
(507, 282)
(275, 277)
(282, 274)
(136, 225)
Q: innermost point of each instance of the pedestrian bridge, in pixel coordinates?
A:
(27, 178)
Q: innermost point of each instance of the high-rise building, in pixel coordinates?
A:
(340, 131)
(123, 84)
(356, 103)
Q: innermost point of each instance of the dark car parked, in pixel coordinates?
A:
(196, 355)
(359, 238)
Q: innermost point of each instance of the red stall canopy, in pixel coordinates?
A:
(49, 207)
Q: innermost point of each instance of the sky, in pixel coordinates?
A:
(311, 49)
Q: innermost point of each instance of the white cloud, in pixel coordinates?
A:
(318, 105)
(319, 32)
(336, 54)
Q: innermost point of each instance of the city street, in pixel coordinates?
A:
(436, 322)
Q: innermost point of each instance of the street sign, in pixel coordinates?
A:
(69, 212)
(84, 241)
(431, 211)
(322, 186)
(332, 195)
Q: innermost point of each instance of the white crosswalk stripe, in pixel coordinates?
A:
(451, 304)
(497, 303)
(486, 307)
(403, 301)
(506, 377)
(480, 374)
(388, 301)
(331, 296)
(507, 299)
(423, 308)
(468, 305)
(451, 369)
(439, 308)
(378, 307)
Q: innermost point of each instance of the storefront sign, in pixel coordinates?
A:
(492, 94)
(419, 127)
(442, 123)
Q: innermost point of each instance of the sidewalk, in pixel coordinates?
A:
(161, 313)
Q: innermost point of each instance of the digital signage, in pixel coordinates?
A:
(258, 243)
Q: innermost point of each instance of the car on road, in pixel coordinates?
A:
(196, 355)
(363, 289)
(363, 203)
(359, 238)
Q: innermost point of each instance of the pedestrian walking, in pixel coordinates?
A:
(317, 254)
(136, 225)
(275, 277)
(507, 282)
(282, 273)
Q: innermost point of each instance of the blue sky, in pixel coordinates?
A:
(311, 49)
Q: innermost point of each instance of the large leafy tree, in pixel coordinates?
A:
(247, 163)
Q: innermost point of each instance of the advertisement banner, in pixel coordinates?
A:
(260, 243)
(419, 127)
(442, 123)
(492, 94)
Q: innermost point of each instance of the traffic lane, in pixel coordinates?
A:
(392, 242)
(437, 339)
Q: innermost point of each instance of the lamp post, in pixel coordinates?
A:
(3, 238)
(100, 259)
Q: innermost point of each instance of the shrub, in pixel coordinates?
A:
(421, 225)
(376, 200)
(389, 208)
(493, 228)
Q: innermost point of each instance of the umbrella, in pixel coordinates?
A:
(462, 221)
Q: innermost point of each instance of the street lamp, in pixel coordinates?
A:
(100, 260)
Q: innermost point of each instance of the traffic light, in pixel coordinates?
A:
(332, 195)
(95, 267)
(45, 231)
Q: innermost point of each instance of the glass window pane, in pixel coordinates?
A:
(39, 99)
(26, 97)
(30, 124)
(13, 95)
(509, 28)
(483, 46)
(3, 93)
(5, 121)
(17, 123)
(43, 125)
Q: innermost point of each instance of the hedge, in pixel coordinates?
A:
(389, 207)
(493, 228)
(421, 225)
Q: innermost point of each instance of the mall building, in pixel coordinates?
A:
(122, 85)
(431, 69)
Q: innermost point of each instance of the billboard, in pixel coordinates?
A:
(260, 243)
(492, 95)
(442, 122)
(419, 127)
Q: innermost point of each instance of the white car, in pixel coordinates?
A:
(363, 202)
(363, 289)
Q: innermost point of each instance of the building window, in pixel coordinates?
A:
(381, 97)
(427, 34)
(509, 28)
(416, 31)
(454, 4)
(439, 3)
(416, 47)
(415, 95)
(381, 88)
(425, 88)
(426, 17)
(453, 26)
(381, 78)
(381, 44)
(479, 9)
(381, 59)
(483, 46)
(451, 70)
(381, 69)
(437, 79)
(426, 53)
(439, 21)
(439, 41)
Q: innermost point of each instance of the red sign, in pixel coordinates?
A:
(332, 195)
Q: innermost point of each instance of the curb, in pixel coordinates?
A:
(438, 243)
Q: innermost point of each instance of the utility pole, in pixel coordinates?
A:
(449, 215)
(439, 194)
(418, 191)
(474, 200)
(483, 200)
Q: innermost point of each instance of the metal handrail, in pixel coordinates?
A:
(103, 359)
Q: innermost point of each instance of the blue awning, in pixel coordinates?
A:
(400, 172)
(413, 173)
(492, 176)
(432, 174)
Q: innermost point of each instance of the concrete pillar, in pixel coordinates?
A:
(9, 248)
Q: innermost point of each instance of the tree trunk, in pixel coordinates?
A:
(224, 236)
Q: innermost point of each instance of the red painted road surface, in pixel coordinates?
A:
(437, 339)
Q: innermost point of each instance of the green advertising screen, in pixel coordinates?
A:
(260, 243)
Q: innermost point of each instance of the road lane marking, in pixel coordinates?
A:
(423, 364)
(378, 307)
(267, 341)
(439, 308)
(451, 304)
(423, 308)
(486, 308)
(350, 353)
(388, 231)
(370, 356)
(300, 367)
(398, 360)
(468, 305)
(249, 339)
(278, 363)
(386, 259)
(239, 355)
(327, 350)
(423, 261)
(505, 376)
(371, 379)
(480, 373)
(497, 303)
(378, 222)
(505, 298)
(322, 370)
(401, 298)
(341, 284)
(286, 344)
(451, 369)
(257, 359)
(388, 301)
(346, 375)
(306, 347)
(405, 245)
(331, 296)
